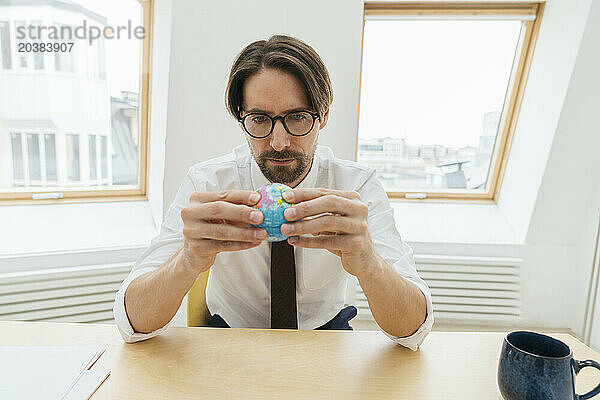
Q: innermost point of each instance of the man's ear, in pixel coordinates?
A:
(325, 119)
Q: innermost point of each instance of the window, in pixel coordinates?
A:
(101, 53)
(72, 152)
(91, 140)
(50, 156)
(33, 156)
(38, 56)
(21, 57)
(103, 157)
(33, 159)
(96, 62)
(440, 89)
(17, 156)
(93, 158)
(64, 61)
(98, 147)
(5, 60)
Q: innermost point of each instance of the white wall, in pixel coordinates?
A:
(551, 68)
(588, 254)
(559, 234)
(205, 41)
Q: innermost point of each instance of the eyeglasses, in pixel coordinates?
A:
(296, 123)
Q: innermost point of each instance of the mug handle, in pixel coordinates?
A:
(578, 365)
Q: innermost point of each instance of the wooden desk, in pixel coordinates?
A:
(213, 363)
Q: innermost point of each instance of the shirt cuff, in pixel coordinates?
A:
(416, 339)
(121, 318)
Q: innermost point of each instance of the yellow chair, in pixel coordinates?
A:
(197, 310)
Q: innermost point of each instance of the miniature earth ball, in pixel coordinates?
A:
(272, 205)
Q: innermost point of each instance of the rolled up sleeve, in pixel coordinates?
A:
(415, 340)
(389, 245)
(120, 314)
(162, 246)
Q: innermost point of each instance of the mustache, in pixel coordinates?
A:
(281, 155)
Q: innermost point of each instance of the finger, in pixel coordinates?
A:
(324, 233)
(217, 210)
(326, 204)
(237, 223)
(303, 194)
(228, 245)
(331, 223)
(204, 230)
(235, 196)
(329, 242)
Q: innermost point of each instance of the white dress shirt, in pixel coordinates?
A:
(238, 287)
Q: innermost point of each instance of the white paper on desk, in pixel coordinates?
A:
(45, 372)
(87, 384)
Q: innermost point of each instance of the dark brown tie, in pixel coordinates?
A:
(284, 314)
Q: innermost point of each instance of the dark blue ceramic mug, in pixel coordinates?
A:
(538, 367)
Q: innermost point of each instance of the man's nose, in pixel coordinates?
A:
(280, 139)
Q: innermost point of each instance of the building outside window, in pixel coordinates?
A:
(78, 118)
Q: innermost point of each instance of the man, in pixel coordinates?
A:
(342, 222)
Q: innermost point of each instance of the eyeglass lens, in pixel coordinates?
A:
(297, 123)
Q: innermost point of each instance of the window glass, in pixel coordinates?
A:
(103, 156)
(33, 156)
(72, 151)
(432, 93)
(17, 156)
(91, 83)
(93, 158)
(38, 56)
(50, 151)
(64, 61)
(5, 56)
(21, 57)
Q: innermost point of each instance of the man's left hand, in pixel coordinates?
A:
(342, 229)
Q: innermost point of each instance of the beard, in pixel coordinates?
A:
(284, 173)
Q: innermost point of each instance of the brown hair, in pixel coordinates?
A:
(287, 54)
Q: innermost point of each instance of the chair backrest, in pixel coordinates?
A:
(197, 310)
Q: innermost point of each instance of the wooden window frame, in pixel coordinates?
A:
(104, 194)
(512, 101)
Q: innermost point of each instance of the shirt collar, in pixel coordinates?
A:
(258, 179)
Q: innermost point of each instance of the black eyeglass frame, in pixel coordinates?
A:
(280, 117)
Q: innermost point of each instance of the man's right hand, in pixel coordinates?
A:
(218, 221)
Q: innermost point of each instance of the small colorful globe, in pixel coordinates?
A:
(272, 205)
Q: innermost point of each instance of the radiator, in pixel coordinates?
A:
(463, 289)
(72, 294)
(466, 289)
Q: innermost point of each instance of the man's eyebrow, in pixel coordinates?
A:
(258, 110)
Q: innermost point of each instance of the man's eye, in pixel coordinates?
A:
(259, 119)
(297, 117)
